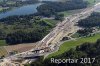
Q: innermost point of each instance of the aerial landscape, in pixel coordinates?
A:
(49, 32)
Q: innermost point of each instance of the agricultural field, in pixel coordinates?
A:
(73, 43)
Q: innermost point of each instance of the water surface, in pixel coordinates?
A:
(23, 10)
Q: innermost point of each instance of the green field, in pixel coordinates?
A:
(72, 44)
(66, 13)
(70, 12)
(51, 21)
(2, 43)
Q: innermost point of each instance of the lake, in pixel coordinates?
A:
(23, 10)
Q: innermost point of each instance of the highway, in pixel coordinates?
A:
(50, 42)
(63, 27)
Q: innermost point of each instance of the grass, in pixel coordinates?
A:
(2, 43)
(70, 12)
(51, 21)
(72, 44)
(66, 13)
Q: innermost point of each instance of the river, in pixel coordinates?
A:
(23, 10)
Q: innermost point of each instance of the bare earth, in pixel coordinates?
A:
(20, 47)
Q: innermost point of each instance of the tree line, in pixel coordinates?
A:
(50, 8)
(92, 21)
(17, 3)
(25, 36)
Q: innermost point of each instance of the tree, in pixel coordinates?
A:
(50, 8)
(85, 32)
(59, 17)
(2, 34)
(92, 21)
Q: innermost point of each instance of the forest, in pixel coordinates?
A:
(50, 8)
(24, 29)
(92, 21)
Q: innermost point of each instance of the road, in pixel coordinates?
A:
(49, 43)
(65, 27)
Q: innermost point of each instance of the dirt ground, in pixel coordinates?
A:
(20, 47)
